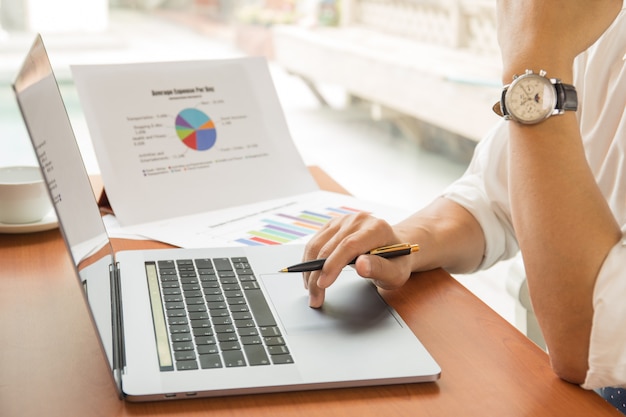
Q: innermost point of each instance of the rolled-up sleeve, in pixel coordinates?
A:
(607, 347)
(483, 191)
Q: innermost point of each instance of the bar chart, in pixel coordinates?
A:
(282, 228)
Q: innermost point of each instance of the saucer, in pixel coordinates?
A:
(47, 223)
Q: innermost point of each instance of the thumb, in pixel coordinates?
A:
(385, 273)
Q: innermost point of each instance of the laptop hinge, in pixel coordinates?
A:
(119, 357)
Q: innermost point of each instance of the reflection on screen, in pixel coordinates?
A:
(70, 190)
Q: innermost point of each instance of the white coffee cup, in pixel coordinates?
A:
(23, 195)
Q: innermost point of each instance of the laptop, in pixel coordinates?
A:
(181, 323)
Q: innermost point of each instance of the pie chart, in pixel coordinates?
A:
(195, 129)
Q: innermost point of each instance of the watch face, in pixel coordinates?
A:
(530, 99)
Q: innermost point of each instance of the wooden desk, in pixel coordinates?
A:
(51, 363)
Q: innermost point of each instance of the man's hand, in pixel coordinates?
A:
(549, 34)
(342, 240)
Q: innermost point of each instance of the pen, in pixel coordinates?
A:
(390, 251)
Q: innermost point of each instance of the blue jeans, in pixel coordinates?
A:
(616, 397)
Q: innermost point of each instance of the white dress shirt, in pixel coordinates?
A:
(600, 79)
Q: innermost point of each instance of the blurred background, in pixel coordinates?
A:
(388, 97)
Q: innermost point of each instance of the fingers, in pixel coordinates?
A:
(316, 295)
(339, 242)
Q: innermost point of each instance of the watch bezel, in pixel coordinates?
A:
(550, 95)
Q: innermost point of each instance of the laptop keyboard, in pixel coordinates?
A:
(215, 315)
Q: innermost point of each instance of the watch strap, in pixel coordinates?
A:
(500, 108)
(566, 97)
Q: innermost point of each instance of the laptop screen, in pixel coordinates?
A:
(68, 184)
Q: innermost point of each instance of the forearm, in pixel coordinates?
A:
(565, 230)
(448, 235)
(562, 221)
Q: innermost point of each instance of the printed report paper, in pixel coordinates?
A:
(192, 152)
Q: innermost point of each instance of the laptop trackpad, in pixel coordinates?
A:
(352, 304)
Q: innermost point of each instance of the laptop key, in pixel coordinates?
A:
(210, 361)
(186, 365)
(231, 287)
(256, 355)
(204, 263)
(196, 308)
(166, 264)
(205, 340)
(233, 294)
(208, 291)
(181, 337)
(195, 301)
(225, 328)
(179, 328)
(227, 337)
(174, 305)
(200, 323)
(203, 331)
(193, 294)
(207, 349)
(274, 341)
(199, 316)
(244, 323)
(250, 285)
(173, 321)
(234, 345)
(251, 340)
(234, 358)
(183, 346)
(173, 298)
(247, 277)
(221, 321)
(238, 308)
(207, 275)
(247, 331)
(270, 331)
(281, 359)
(176, 313)
(243, 315)
(218, 305)
(185, 355)
(259, 307)
(277, 350)
(219, 313)
(222, 264)
(236, 301)
(168, 277)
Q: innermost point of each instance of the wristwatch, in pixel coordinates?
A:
(531, 98)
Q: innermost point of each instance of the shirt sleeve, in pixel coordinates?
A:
(483, 191)
(606, 147)
(607, 347)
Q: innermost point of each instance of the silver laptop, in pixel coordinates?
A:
(179, 323)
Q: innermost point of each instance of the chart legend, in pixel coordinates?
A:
(196, 129)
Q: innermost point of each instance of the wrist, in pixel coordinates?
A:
(554, 67)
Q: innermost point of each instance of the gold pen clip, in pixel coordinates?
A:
(393, 248)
